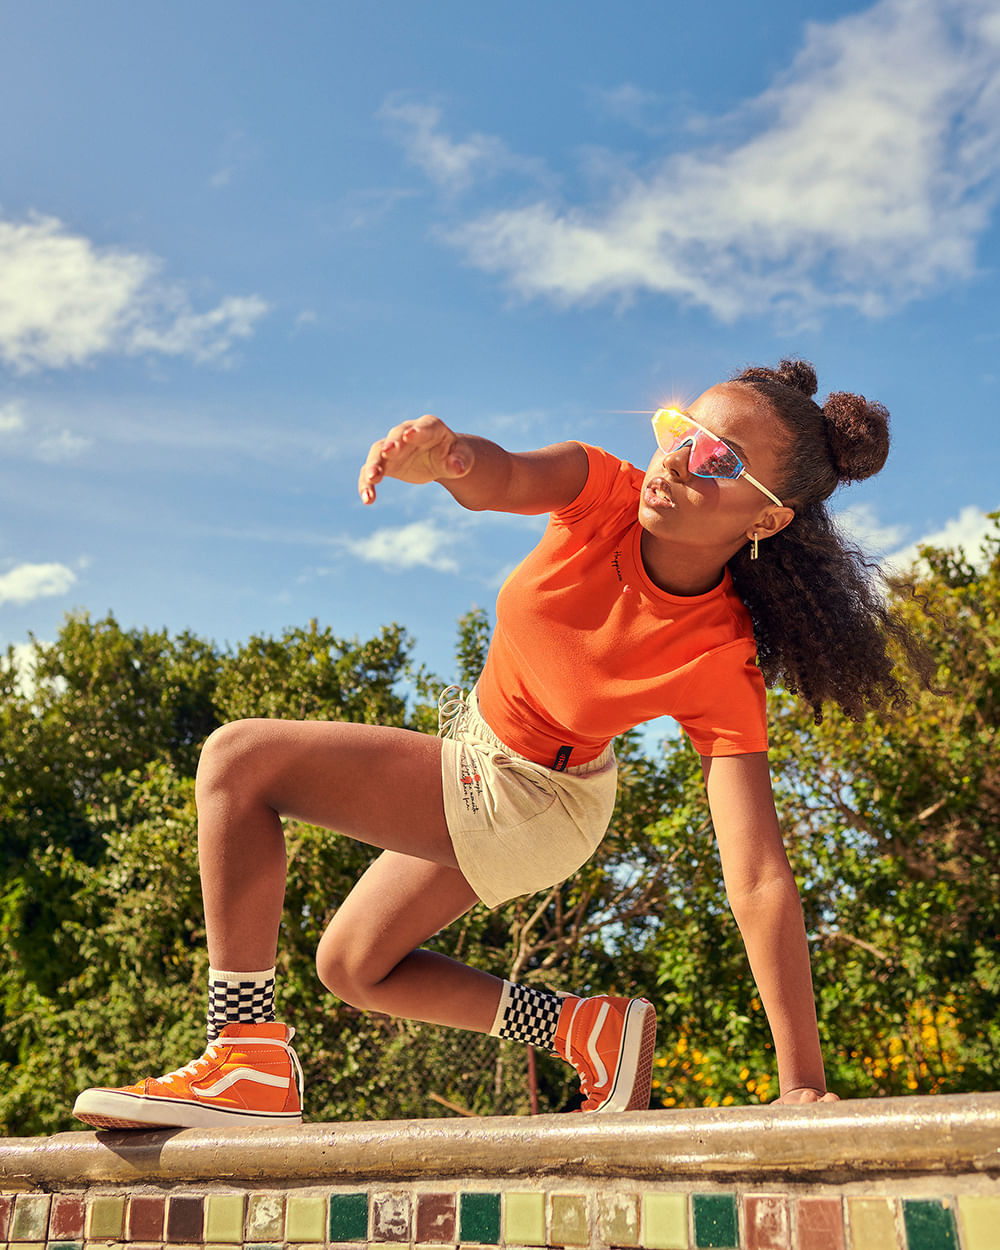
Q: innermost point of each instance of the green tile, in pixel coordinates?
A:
(266, 1219)
(618, 1218)
(105, 1218)
(929, 1225)
(224, 1218)
(568, 1222)
(665, 1221)
(305, 1217)
(348, 1217)
(479, 1218)
(31, 1217)
(524, 1219)
(979, 1215)
(715, 1221)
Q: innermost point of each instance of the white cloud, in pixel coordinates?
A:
(420, 544)
(35, 581)
(633, 105)
(965, 534)
(65, 301)
(23, 663)
(204, 336)
(862, 526)
(63, 446)
(11, 417)
(452, 164)
(863, 177)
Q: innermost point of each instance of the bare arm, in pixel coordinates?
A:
(479, 473)
(765, 902)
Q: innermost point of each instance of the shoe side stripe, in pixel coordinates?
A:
(241, 1074)
(600, 1071)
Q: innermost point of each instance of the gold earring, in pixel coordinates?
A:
(753, 549)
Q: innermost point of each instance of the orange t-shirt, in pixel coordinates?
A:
(586, 646)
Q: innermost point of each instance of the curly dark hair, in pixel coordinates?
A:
(821, 616)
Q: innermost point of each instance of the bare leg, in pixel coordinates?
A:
(367, 955)
(379, 785)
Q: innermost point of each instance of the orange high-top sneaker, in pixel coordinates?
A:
(610, 1042)
(248, 1075)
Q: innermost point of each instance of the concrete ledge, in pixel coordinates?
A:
(832, 1143)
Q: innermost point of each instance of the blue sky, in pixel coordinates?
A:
(238, 241)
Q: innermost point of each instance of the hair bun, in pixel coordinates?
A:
(858, 433)
(797, 374)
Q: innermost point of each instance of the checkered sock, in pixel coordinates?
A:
(239, 998)
(527, 1015)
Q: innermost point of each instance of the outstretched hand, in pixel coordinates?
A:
(793, 1096)
(425, 450)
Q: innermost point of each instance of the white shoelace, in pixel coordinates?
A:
(214, 1048)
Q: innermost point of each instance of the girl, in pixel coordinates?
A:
(683, 591)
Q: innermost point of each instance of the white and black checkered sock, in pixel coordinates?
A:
(528, 1015)
(239, 998)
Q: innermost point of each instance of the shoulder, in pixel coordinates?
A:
(610, 482)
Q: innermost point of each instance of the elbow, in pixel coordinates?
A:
(763, 897)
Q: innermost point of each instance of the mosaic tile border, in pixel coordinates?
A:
(397, 1216)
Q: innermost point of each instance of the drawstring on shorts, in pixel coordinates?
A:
(452, 711)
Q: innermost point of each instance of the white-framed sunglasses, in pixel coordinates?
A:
(710, 456)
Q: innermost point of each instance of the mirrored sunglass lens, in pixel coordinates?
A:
(711, 457)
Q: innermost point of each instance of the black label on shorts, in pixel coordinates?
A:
(562, 759)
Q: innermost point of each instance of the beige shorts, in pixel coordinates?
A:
(517, 826)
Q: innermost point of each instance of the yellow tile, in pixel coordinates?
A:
(524, 1219)
(105, 1218)
(305, 1217)
(618, 1217)
(665, 1221)
(568, 1223)
(873, 1223)
(224, 1217)
(979, 1216)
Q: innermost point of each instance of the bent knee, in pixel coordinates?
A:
(228, 754)
(350, 971)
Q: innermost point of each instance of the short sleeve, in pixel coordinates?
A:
(723, 706)
(609, 481)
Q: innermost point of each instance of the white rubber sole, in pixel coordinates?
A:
(112, 1108)
(633, 1078)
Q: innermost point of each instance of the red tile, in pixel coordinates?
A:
(436, 1218)
(768, 1226)
(820, 1224)
(6, 1203)
(66, 1220)
(185, 1217)
(145, 1218)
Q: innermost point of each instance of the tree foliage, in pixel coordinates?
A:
(892, 826)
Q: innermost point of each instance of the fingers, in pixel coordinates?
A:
(373, 469)
(416, 451)
(796, 1096)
